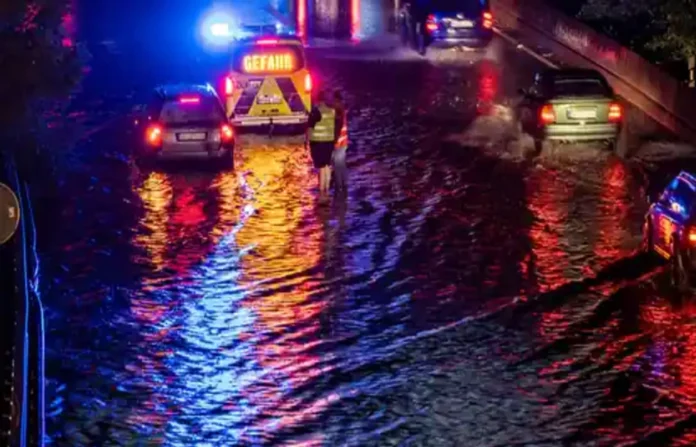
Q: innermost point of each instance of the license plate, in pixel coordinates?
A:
(462, 24)
(192, 136)
(583, 114)
(269, 99)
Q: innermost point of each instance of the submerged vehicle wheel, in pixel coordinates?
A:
(544, 148)
(680, 278)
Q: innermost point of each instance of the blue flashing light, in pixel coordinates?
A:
(217, 27)
(220, 29)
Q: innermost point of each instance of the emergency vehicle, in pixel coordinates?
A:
(670, 228)
(268, 82)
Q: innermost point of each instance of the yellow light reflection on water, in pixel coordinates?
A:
(278, 183)
(287, 242)
(156, 194)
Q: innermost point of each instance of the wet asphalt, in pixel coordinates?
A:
(461, 294)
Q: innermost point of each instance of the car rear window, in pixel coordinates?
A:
(186, 110)
(467, 7)
(580, 87)
(268, 59)
(683, 194)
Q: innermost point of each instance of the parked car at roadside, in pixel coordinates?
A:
(445, 24)
(669, 229)
(184, 121)
(570, 105)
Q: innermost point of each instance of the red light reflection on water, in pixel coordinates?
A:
(178, 232)
(547, 198)
(488, 84)
(674, 329)
(613, 217)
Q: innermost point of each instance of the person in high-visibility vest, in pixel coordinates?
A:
(339, 153)
(322, 140)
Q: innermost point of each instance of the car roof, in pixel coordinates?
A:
(173, 91)
(287, 39)
(688, 177)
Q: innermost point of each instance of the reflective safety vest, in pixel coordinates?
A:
(342, 142)
(323, 131)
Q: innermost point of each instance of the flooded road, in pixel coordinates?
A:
(460, 295)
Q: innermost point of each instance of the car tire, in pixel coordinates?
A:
(228, 160)
(679, 276)
(543, 147)
(611, 145)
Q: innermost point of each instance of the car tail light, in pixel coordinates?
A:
(615, 112)
(308, 83)
(153, 135)
(431, 23)
(487, 20)
(229, 86)
(267, 42)
(226, 133)
(547, 115)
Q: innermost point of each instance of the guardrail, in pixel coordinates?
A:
(22, 401)
(663, 98)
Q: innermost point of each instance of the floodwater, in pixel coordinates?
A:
(460, 295)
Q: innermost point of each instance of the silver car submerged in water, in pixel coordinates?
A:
(184, 122)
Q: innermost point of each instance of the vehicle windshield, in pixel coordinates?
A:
(178, 112)
(468, 7)
(580, 87)
(268, 59)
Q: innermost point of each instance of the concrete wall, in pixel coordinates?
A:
(666, 100)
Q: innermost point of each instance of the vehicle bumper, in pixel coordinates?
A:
(480, 41)
(248, 121)
(578, 133)
(223, 152)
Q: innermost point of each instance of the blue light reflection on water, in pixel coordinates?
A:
(212, 358)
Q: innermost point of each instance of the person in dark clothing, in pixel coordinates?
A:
(419, 14)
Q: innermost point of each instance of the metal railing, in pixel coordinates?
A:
(22, 400)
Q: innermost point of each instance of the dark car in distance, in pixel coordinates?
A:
(445, 24)
(184, 121)
(669, 229)
(570, 105)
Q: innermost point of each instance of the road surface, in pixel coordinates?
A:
(461, 294)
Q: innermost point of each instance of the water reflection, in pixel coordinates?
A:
(613, 215)
(285, 239)
(547, 198)
(156, 195)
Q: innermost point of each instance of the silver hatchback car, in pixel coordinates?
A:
(184, 122)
